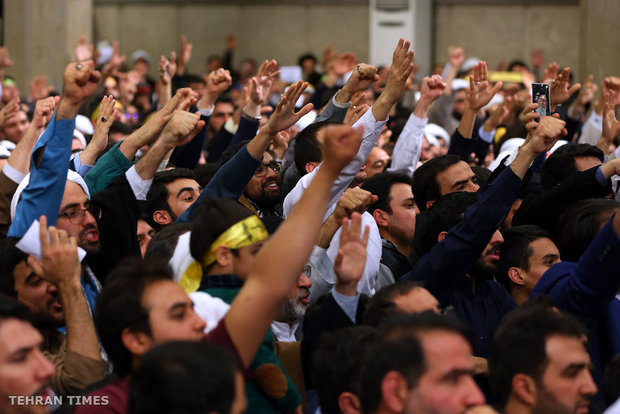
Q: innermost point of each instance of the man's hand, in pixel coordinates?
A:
(80, 81)
(5, 61)
(550, 72)
(60, 265)
(184, 56)
(261, 83)
(114, 65)
(456, 57)
(544, 134)
(353, 199)
(402, 66)
(83, 50)
(611, 126)
(105, 118)
(285, 116)
(43, 111)
(481, 90)
(586, 93)
(341, 144)
(561, 90)
(167, 68)
(39, 88)
(498, 114)
(351, 259)
(361, 78)
(182, 128)
(432, 88)
(9, 110)
(217, 83)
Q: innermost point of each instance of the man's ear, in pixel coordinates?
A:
(381, 217)
(162, 217)
(429, 204)
(394, 391)
(223, 256)
(442, 236)
(515, 276)
(138, 343)
(524, 388)
(349, 403)
(310, 166)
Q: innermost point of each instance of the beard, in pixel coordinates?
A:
(547, 403)
(483, 270)
(293, 310)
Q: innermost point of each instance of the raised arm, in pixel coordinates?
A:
(283, 257)
(409, 144)
(60, 266)
(372, 121)
(105, 118)
(48, 168)
(232, 178)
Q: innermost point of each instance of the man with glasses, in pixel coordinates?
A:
(293, 308)
(263, 194)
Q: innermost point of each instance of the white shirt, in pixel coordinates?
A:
(284, 332)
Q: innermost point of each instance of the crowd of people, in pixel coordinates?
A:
(330, 238)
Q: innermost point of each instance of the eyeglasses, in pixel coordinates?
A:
(262, 170)
(307, 270)
(130, 115)
(76, 214)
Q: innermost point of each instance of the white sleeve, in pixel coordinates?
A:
(409, 146)
(139, 186)
(592, 129)
(14, 175)
(372, 130)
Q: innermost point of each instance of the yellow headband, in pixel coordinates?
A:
(244, 233)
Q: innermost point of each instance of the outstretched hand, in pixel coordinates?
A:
(402, 66)
(481, 90)
(285, 116)
(351, 259)
(560, 89)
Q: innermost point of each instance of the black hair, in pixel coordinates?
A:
(338, 362)
(519, 345)
(184, 377)
(224, 99)
(561, 164)
(191, 78)
(164, 242)
(425, 185)
(120, 127)
(307, 147)
(516, 250)
(382, 306)
(213, 219)
(579, 224)
(10, 257)
(445, 213)
(119, 307)
(205, 172)
(381, 185)
(398, 349)
(157, 197)
(306, 56)
(482, 174)
(10, 308)
(516, 62)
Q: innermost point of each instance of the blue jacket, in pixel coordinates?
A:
(586, 289)
(444, 269)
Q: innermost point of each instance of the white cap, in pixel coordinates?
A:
(80, 137)
(71, 176)
(83, 124)
(436, 131)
